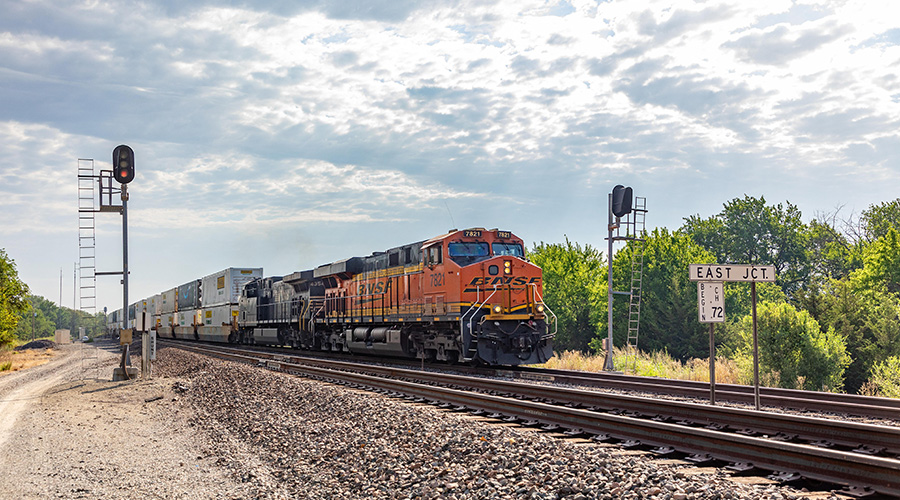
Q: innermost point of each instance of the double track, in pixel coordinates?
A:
(860, 457)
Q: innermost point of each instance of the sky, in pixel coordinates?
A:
(289, 134)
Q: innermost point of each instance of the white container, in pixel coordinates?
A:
(224, 287)
(186, 325)
(218, 322)
(169, 299)
(154, 307)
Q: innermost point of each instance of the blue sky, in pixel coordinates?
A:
(285, 135)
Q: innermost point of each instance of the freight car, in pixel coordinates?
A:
(467, 295)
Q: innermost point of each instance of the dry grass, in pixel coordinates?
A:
(21, 360)
(657, 364)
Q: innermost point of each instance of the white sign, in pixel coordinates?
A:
(731, 272)
(711, 301)
(152, 345)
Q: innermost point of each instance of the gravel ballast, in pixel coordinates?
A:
(204, 428)
(295, 438)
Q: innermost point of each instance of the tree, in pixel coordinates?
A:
(668, 317)
(881, 264)
(878, 219)
(795, 350)
(748, 231)
(12, 294)
(572, 277)
(831, 254)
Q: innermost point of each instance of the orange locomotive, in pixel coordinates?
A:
(467, 295)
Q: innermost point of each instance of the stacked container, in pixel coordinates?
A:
(167, 307)
(219, 300)
(187, 307)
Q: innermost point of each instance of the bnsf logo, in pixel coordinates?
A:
(501, 280)
(374, 288)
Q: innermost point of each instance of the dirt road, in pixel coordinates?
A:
(67, 431)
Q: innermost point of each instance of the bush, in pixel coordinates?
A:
(793, 351)
(883, 381)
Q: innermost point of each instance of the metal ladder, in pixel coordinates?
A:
(87, 237)
(638, 221)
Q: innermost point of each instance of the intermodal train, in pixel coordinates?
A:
(465, 296)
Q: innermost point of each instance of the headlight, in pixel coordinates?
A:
(507, 267)
(498, 309)
(540, 308)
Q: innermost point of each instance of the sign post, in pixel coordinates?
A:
(719, 273)
(711, 305)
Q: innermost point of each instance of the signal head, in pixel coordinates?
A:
(123, 164)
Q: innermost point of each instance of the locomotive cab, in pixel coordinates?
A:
(496, 293)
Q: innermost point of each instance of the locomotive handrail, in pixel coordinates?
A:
(555, 320)
(479, 308)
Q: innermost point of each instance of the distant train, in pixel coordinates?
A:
(465, 296)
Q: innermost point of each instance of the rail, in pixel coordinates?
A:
(530, 404)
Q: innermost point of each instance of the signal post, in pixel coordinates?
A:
(123, 173)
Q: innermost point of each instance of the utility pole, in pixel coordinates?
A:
(33, 315)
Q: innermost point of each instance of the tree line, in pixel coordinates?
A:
(831, 321)
(24, 316)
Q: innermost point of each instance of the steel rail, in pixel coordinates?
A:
(826, 402)
(833, 466)
(866, 406)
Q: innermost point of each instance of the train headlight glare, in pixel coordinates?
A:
(540, 308)
(497, 309)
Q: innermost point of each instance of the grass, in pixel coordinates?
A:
(656, 364)
(11, 361)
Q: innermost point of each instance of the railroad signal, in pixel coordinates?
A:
(621, 200)
(123, 164)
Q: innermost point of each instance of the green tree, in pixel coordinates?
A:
(878, 219)
(831, 254)
(748, 231)
(12, 294)
(572, 277)
(881, 264)
(795, 350)
(668, 318)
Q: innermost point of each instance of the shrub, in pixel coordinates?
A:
(883, 379)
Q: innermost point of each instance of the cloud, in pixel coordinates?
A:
(308, 131)
(781, 44)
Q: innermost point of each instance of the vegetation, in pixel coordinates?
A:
(45, 317)
(831, 321)
(25, 317)
(656, 364)
(12, 294)
(577, 295)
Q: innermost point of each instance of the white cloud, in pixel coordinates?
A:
(390, 119)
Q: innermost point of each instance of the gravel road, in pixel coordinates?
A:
(205, 428)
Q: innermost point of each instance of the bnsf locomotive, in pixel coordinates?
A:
(467, 296)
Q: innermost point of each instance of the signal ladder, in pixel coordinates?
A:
(87, 255)
(87, 237)
(637, 222)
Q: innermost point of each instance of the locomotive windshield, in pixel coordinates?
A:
(514, 249)
(468, 253)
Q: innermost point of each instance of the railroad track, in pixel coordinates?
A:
(851, 404)
(862, 458)
(819, 402)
